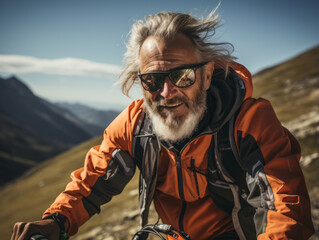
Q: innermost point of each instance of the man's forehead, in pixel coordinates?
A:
(178, 50)
(153, 45)
(161, 46)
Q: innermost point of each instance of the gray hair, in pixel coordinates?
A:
(167, 25)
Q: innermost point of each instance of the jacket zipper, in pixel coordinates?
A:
(181, 216)
(180, 190)
(180, 181)
(179, 175)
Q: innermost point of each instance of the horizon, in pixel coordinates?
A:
(112, 107)
(73, 53)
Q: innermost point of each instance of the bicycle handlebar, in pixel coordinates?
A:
(38, 237)
(157, 229)
(142, 234)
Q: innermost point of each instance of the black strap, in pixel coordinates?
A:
(229, 155)
(60, 221)
(58, 218)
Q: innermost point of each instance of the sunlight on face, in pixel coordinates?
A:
(175, 112)
(172, 127)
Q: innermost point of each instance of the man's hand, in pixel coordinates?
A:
(47, 228)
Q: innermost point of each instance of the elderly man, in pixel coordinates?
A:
(243, 182)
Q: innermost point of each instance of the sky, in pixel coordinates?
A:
(72, 50)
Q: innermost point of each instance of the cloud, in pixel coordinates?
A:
(63, 66)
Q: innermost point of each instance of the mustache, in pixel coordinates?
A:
(160, 101)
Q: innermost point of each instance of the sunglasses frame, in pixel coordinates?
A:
(166, 74)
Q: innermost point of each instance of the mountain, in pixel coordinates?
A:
(100, 118)
(93, 129)
(18, 102)
(21, 148)
(295, 103)
(34, 129)
(292, 86)
(30, 131)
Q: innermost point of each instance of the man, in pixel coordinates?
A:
(192, 88)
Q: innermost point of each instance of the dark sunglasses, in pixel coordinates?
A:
(181, 77)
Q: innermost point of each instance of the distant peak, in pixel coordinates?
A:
(15, 84)
(13, 78)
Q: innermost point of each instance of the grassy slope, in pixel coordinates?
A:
(26, 199)
(293, 88)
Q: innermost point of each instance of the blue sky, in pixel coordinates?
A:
(72, 50)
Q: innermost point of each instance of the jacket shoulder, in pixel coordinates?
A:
(258, 130)
(256, 116)
(120, 131)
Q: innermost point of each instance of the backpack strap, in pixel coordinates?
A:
(231, 169)
(226, 150)
(145, 149)
(137, 150)
(225, 171)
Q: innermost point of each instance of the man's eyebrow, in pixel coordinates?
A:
(175, 68)
(185, 66)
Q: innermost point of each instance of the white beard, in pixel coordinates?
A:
(172, 128)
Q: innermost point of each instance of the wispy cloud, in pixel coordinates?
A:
(63, 66)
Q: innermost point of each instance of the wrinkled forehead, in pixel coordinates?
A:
(160, 54)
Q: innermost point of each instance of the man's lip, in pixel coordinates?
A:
(172, 105)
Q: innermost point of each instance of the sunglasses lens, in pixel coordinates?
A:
(183, 77)
(153, 82)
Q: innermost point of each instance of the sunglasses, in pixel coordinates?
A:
(181, 77)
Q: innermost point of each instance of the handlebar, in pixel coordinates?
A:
(143, 233)
(157, 229)
(38, 237)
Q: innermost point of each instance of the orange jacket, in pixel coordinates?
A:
(270, 155)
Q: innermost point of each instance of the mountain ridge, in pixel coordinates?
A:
(33, 129)
(314, 50)
(101, 118)
(27, 109)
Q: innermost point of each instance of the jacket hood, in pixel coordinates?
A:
(227, 93)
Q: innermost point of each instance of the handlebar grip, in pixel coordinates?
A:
(140, 236)
(38, 237)
(163, 228)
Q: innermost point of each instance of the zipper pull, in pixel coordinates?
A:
(178, 158)
(193, 169)
(178, 164)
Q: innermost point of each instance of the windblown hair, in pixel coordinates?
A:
(167, 25)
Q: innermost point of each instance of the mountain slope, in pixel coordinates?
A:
(100, 118)
(30, 131)
(18, 102)
(93, 129)
(292, 86)
(27, 198)
(21, 149)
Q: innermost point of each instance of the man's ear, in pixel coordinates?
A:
(208, 73)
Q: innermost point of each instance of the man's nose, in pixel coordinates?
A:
(169, 90)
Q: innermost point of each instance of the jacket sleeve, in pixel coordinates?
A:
(277, 189)
(106, 171)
